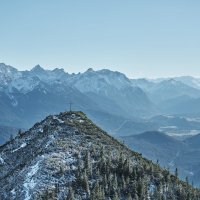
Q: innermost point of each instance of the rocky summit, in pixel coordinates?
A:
(67, 157)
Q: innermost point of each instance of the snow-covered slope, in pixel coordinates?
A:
(113, 88)
(66, 156)
(99, 81)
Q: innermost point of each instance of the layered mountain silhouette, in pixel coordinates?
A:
(39, 92)
(170, 152)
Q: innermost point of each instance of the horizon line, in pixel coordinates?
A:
(96, 70)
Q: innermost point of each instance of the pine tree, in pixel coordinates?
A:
(57, 189)
(187, 180)
(97, 192)
(136, 197)
(88, 163)
(19, 132)
(128, 197)
(176, 172)
(70, 195)
(11, 137)
(86, 183)
(115, 196)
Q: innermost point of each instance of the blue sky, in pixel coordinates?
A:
(141, 38)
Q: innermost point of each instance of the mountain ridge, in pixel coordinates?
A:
(67, 156)
(95, 86)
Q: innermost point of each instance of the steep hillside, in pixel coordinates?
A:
(66, 156)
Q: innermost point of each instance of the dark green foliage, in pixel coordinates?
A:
(70, 195)
(113, 171)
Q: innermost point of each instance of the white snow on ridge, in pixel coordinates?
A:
(59, 120)
(41, 130)
(1, 160)
(24, 84)
(22, 146)
(99, 81)
(34, 169)
(29, 182)
(51, 139)
(13, 192)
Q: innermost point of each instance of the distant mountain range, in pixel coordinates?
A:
(28, 96)
(122, 106)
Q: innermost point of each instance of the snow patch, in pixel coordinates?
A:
(191, 174)
(13, 192)
(168, 127)
(14, 103)
(2, 160)
(59, 120)
(29, 182)
(51, 139)
(151, 188)
(22, 146)
(169, 116)
(24, 84)
(171, 163)
(41, 130)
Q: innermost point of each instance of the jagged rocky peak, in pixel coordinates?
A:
(6, 69)
(59, 70)
(37, 69)
(67, 156)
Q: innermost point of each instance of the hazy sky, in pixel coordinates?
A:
(142, 38)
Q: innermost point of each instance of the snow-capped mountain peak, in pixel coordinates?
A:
(100, 80)
(7, 69)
